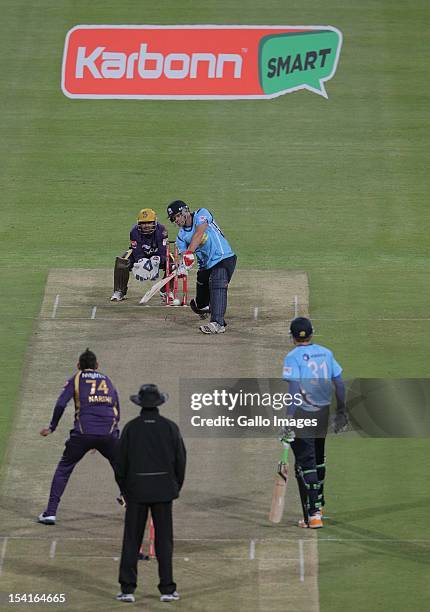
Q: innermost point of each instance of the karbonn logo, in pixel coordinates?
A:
(198, 62)
(172, 66)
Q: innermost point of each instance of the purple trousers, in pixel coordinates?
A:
(76, 447)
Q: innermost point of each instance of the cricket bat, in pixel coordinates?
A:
(280, 488)
(160, 284)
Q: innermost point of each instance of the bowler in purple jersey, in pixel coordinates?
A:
(97, 414)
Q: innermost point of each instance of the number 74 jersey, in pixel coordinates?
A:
(313, 367)
(97, 410)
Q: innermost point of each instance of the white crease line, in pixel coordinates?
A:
(126, 319)
(54, 310)
(304, 540)
(193, 555)
(53, 549)
(112, 539)
(128, 307)
(3, 554)
(255, 313)
(252, 550)
(296, 306)
(301, 561)
(93, 312)
(132, 309)
(99, 319)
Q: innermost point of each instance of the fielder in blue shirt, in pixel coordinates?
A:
(200, 237)
(311, 371)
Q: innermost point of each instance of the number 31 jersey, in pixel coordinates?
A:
(313, 366)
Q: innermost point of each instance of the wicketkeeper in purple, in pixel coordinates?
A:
(97, 414)
(146, 256)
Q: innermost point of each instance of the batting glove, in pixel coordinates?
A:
(340, 422)
(188, 259)
(288, 436)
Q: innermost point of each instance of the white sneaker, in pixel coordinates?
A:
(170, 597)
(127, 597)
(117, 296)
(212, 328)
(46, 520)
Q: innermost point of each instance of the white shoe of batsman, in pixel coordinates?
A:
(117, 296)
(212, 328)
(46, 519)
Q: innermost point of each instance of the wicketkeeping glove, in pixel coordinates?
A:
(188, 259)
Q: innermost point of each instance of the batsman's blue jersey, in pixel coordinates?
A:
(213, 248)
(313, 367)
(97, 410)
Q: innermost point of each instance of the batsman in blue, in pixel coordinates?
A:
(312, 372)
(200, 237)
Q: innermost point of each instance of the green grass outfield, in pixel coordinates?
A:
(336, 187)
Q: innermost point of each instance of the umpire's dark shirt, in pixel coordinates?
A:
(151, 459)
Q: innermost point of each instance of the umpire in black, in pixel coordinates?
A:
(150, 471)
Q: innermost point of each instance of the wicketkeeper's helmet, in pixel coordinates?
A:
(301, 328)
(146, 221)
(176, 207)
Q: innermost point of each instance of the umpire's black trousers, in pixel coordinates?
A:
(135, 520)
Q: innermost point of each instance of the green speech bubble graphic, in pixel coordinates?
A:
(298, 60)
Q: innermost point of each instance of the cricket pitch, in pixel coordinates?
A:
(227, 554)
